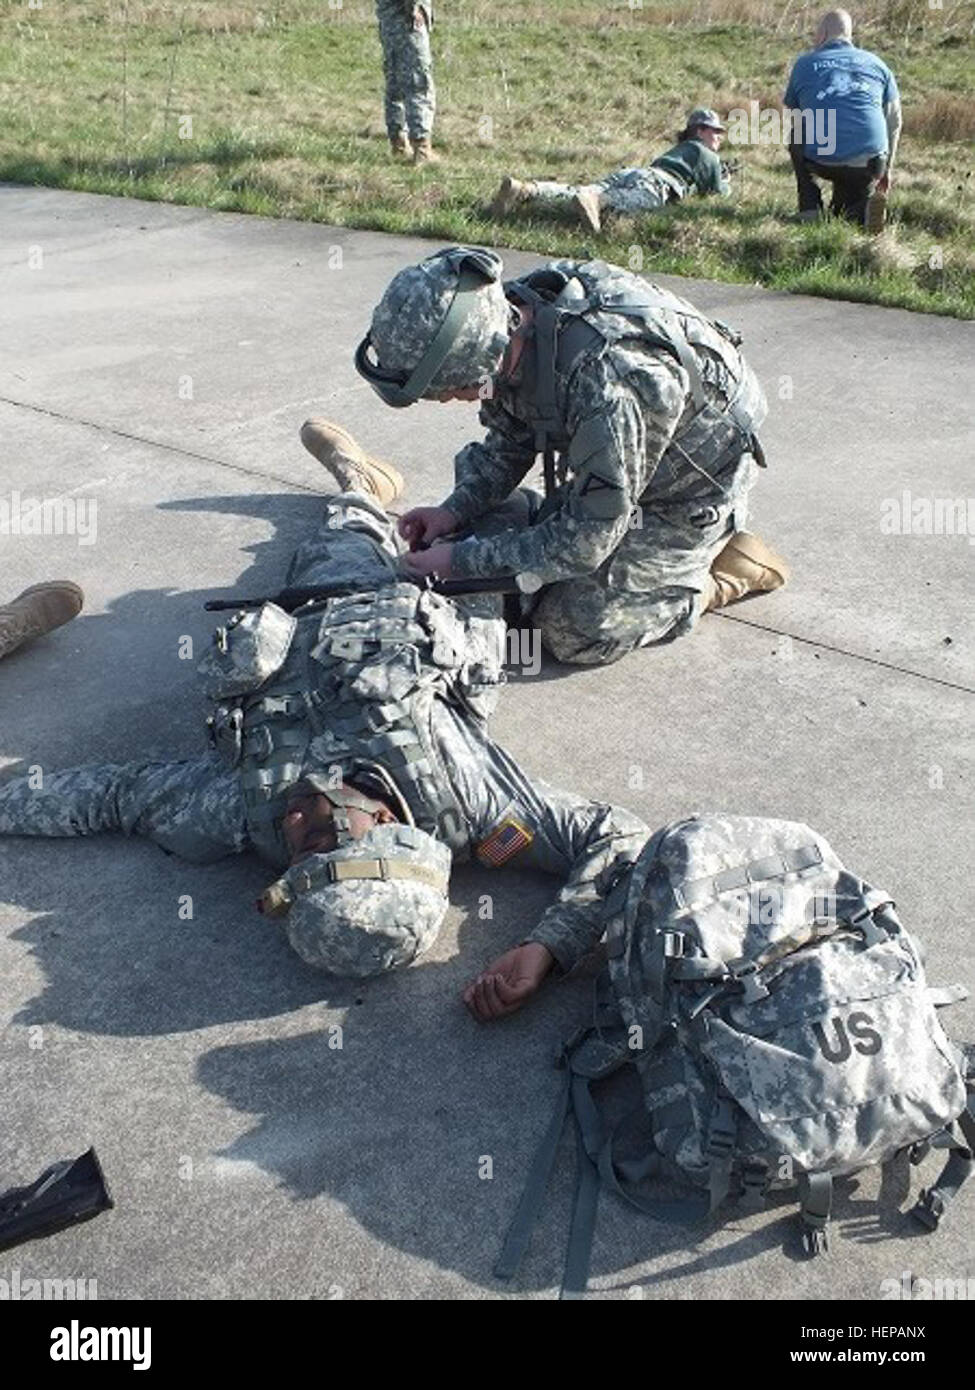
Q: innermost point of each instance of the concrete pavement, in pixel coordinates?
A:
(158, 361)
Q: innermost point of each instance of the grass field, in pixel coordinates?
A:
(276, 108)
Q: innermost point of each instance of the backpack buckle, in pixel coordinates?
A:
(864, 921)
(754, 1184)
(929, 1209)
(745, 973)
(723, 1130)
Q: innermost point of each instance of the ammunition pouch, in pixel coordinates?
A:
(247, 651)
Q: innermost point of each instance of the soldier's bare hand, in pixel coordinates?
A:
(423, 525)
(508, 982)
(437, 560)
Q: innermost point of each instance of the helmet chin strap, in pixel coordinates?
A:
(343, 799)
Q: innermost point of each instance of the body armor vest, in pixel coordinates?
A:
(594, 305)
(359, 683)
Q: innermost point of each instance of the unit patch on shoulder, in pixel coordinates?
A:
(504, 842)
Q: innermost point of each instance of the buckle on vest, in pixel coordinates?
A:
(258, 743)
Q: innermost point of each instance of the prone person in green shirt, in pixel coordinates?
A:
(690, 166)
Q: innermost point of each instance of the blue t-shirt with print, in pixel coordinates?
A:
(849, 88)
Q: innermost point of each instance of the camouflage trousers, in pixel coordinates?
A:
(408, 68)
(357, 545)
(626, 191)
(654, 586)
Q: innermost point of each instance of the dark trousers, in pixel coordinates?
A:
(852, 185)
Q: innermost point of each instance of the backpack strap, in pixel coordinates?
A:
(816, 1202)
(526, 1213)
(933, 1201)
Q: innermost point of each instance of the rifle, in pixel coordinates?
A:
(296, 597)
(68, 1192)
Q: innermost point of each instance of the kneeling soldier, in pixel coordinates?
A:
(645, 412)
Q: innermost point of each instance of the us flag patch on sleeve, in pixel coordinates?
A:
(504, 842)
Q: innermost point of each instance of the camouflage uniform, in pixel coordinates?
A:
(689, 167)
(652, 485)
(393, 674)
(408, 68)
(625, 191)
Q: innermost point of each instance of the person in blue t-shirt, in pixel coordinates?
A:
(845, 123)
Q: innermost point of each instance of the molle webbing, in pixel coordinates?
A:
(696, 893)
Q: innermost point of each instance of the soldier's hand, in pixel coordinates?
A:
(508, 982)
(423, 525)
(437, 560)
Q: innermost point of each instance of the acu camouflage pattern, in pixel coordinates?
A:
(759, 971)
(413, 307)
(411, 99)
(654, 482)
(393, 675)
(627, 191)
(365, 926)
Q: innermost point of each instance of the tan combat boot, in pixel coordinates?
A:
(745, 566)
(400, 146)
(424, 153)
(586, 204)
(512, 192)
(351, 468)
(39, 609)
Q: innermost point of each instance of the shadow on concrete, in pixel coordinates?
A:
(395, 1123)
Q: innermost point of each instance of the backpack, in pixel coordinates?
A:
(777, 1015)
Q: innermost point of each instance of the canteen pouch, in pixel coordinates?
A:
(247, 651)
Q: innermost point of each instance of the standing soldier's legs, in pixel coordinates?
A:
(654, 587)
(355, 544)
(391, 26)
(416, 79)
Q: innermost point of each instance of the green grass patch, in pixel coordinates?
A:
(276, 108)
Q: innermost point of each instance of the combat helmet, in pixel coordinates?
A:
(441, 325)
(372, 903)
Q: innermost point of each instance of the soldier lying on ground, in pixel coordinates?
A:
(690, 166)
(651, 408)
(350, 751)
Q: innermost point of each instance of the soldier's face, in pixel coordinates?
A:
(309, 825)
(710, 137)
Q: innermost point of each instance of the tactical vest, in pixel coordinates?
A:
(359, 682)
(590, 306)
